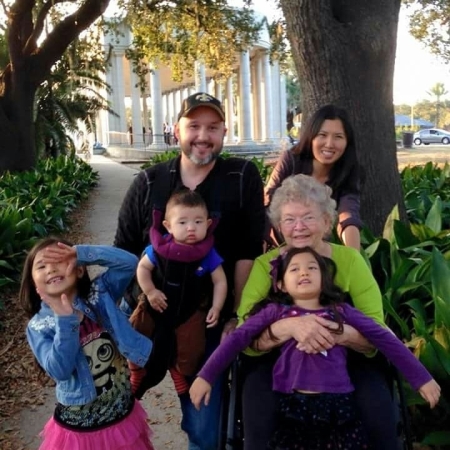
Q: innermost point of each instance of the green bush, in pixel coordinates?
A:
(36, 203)
(411, 265)
(425, 187)
(263, 167)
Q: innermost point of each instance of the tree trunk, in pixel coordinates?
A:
(29, 66)
(344, 52)
(16, 124)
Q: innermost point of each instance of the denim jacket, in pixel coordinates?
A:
(55, 340)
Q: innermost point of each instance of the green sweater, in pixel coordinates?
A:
(353, 276)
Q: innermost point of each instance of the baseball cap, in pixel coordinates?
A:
(201, 99)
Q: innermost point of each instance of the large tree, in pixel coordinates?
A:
(344, 52)
(32, 53)
(174, 32)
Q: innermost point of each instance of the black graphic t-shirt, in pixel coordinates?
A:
(111, 378)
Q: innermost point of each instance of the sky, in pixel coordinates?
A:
(416, 69)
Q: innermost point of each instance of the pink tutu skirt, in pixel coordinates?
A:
(131, 433)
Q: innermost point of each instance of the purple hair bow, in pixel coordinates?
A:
(275, 265)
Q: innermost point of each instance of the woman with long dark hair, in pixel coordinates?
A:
(327, 152)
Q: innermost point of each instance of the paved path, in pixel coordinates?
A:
(161, 403)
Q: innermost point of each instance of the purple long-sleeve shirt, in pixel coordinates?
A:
(297, 370)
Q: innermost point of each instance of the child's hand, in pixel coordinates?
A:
(431, 392)
(213, 317)
(60, 253)
(61, 307)
(157, 300)
(200, 389)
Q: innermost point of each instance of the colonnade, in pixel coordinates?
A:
(254, 100)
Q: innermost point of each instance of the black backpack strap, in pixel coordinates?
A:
(239, 171)
(160, 184)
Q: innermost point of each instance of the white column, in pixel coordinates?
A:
(119, 92)
(257, 96)
(167, 107)
(245, 118)
(173, 107)
(229, 110)
(200, 77)
(218, 90)
(157, 111)
(283, 105)
(136, 114)
(178, 99)
(211, 86)
(109, 118)
(267, 109)
(186, 92)
(145, 121)
(276, 122)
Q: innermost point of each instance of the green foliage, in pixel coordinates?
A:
(427, 194)
(411, 265)
(429, 24)
(212, 32)
(4, 56)
(36, 203)
(263, 167)
(70, 97)
(161, 157)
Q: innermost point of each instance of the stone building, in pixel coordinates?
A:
(254, 99)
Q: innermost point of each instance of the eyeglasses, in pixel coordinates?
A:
(291, 222)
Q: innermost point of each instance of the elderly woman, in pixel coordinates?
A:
(304, 212)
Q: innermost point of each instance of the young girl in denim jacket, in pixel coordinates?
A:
(82, 341)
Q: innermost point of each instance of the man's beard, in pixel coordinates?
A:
(201, 161)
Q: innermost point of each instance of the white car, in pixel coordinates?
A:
(432, 136)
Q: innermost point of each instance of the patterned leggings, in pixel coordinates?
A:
(318, 422)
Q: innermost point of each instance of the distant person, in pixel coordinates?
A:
(167, 133)
(327, 152)
(233, 192)
(317, 409)
(130, 135)
(80, 338)
(175, 275)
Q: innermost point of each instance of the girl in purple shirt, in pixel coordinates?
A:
(317, 409)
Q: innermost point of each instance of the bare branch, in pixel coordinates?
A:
(63, 34)
(4, 8)
(31, 44)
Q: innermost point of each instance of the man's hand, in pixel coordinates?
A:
(157, 300)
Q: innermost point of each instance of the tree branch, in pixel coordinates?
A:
(63, 34)
(31, 44)
(20, 26)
